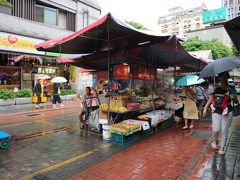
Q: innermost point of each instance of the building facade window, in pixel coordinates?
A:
(85, 18)
(46, 15)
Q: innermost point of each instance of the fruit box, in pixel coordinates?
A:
(133, 106)
(122, 103)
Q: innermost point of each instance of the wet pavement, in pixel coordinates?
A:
(214, 166)
(30, 108)
(170, 154)
(49, 145)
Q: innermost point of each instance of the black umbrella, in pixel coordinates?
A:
(233, 29)
(219, 66)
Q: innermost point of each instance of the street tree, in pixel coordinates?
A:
(218, 49)
(5, 3)
(137, 25)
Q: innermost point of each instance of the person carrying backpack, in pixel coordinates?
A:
(201, 98)
(221, 102)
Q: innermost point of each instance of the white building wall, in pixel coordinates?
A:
(218, 33)
(233, 7)
(181, 23)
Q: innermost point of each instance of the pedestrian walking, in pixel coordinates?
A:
(56, 95)
(201, 98)
(38, 91)
(190, 111)
(209, 89)
(221, 102)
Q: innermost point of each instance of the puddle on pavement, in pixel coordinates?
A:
(43, 133)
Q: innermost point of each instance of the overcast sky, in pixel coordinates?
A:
(147, 12)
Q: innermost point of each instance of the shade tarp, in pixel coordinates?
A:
(233, 29)
(95, 38)
(158, 55)
(122, 42)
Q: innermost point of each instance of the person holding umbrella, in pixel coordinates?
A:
(56, 90)
(221, 99)
(190, 110)
(222, 110)
(56, 95)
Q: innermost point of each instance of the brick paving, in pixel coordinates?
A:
(169, 154)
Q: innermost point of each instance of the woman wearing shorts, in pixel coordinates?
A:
(221, 114)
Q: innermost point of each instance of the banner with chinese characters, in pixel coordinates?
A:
(121, 72)
(143, 72)
(102, 76)
(17, 43)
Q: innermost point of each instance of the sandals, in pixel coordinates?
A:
(191, 126)
(185, 127)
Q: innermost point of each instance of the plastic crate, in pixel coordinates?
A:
(148, 132)
(166, 124)
(124, 140)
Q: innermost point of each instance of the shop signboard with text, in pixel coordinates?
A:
(17, 43)
(215, 15)
(102, 76)
(143, 72)
(121, 72)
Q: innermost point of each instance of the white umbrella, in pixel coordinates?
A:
(59, 80)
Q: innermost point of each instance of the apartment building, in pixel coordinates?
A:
(28, 22)
(180, 21)
(233, 7)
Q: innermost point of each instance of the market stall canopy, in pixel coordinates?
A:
(122, 42)
(96, 37)
(26, 57)
(233, 29)
(204, 55)
(161, 55)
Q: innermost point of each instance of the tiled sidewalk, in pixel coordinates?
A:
(214, 166)
(170, 154)
(30, 108)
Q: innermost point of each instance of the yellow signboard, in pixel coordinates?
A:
(16, 43)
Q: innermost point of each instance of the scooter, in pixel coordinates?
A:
(4, 139)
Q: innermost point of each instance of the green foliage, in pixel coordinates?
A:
(136, 25)
(25, 93)
(7, 94)
(218, 49)
(235, 51)
(5, 3)
(68, 92)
